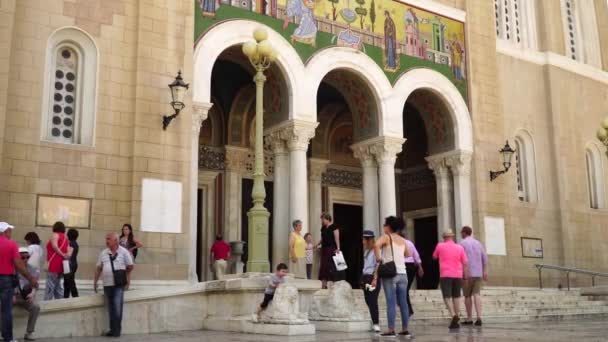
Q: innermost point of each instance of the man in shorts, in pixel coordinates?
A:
(477, 273)
(452, 269)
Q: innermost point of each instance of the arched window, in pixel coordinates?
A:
(580, 31)
(516, 22)
(595, 179)
(525, 166)
(70, 88)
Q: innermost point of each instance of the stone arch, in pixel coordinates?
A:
(235, 32)
(355, 63)
(239, 117)
(444, 89)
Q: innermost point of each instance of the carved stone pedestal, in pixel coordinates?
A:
(334, 309)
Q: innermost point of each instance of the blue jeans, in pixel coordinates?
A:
(114, 301)
(395, 291)
(6, 304)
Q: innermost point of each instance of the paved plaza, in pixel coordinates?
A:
(593, 330)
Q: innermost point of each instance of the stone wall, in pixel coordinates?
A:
(142, 45)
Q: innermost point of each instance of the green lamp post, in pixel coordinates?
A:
(261, 55)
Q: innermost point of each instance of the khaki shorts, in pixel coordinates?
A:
(472, 286)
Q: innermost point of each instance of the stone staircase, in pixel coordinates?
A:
(501, 304)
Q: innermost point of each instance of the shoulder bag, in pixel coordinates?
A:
(388, 269)
(120, 276)
(48, 263)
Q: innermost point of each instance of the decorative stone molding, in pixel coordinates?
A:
(316, 168)
(417, 178)
(210, 158)
(200, 111)
(459, 163)
(385, 149)
(344, 178)
(236, 158)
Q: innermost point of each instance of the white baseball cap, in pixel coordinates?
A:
(23, 250)
(4, 226)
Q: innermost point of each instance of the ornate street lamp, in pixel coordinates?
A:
(602, 133)
(178, 91)
(507, 154)
(261, 55)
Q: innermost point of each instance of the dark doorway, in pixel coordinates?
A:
(247, 203)
(199, 235)
(349, 218)
(425, 234)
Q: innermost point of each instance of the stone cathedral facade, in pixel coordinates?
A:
(373, 108)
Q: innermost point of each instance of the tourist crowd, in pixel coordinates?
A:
(21, 268)
(391, 262)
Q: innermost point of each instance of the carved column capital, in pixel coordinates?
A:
(277, 143)
(438, 165)
(459, 163)
(200, 111)
(385, 149)
(236, 158)
(299, 133)
(316, 168)
(364, 153)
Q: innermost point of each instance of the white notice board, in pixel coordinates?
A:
(495, 235)
(161, 206)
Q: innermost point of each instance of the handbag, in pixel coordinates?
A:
(120, 276)
(339, 262)
(66, 266)
(388, 269)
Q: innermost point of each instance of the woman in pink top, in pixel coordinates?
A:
(57, 249)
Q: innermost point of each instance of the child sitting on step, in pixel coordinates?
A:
(276, 279)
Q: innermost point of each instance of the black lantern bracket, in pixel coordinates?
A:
(178, 89)
(507, 153)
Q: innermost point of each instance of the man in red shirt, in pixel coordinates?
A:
(9, 261)
(220, 253)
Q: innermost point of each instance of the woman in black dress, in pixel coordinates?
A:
(69, 280)
(330, 244)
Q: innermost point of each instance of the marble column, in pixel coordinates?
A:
(460, 165)
(280, 208)
(298, 138)
(316, 168)
(236, 158)
(371, 218)
(385, 151)
(199, 114)
(445, 200)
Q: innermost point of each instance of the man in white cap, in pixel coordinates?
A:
(452, 269)
(9, 261)
(25, 296)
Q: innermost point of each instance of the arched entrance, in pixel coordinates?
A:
(347, 113)
(226, 153)
(434, 168)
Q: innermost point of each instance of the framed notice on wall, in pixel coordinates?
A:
(531, 247)
(74, 212)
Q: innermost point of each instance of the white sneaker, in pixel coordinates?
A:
(376, 328)
(29, 337)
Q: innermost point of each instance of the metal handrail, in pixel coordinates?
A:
(568, 270)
